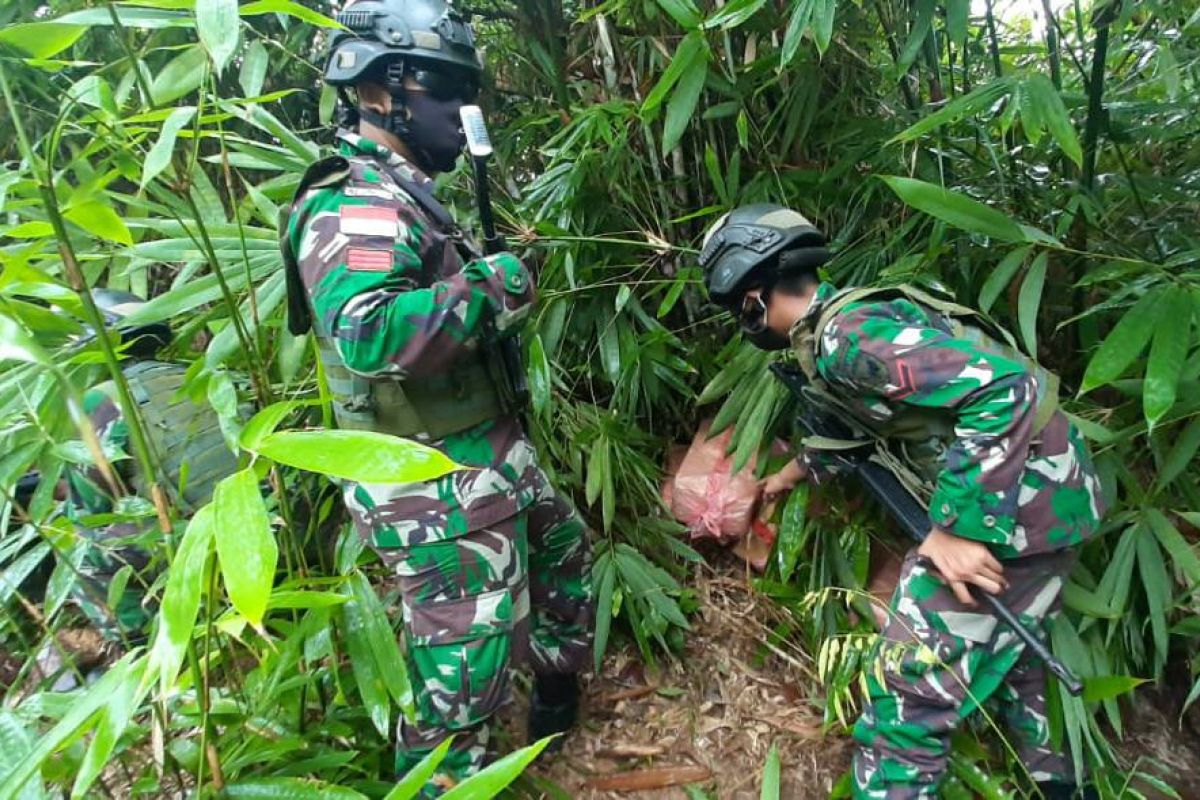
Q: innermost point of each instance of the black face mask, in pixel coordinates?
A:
(434, 130)
(753, 320)
(768, 340)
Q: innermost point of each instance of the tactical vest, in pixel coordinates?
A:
(182, 434)
(913, 442)
(438, 405)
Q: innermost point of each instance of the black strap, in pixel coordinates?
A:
(434, 209)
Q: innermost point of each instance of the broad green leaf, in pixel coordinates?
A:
(365, 666)
(115, 718)
(245, 544)
(604, 574)
(490, 781)
(1181, 455)
(1052, 114)
(955, 209)
(770, 779)
(254, 69)
(824, 15)
(98, 218)
(17, 345)
(1029, 300)
(922, 27)
(1156, 587)
(34, 229)
(1168, 350)
(133, 17)
(288, 789)
(978, 100)
(957, 13)
(382, 642)
(1001, 276)
(181, 76)
(801, 15)
(793, 532)
(264, 423)
(416, 778)
(683, 101)
(218, 25)
(1124, 343)
(41, 39)
(684, 12)
(181, 599)
(733, 14)
(689, 49)
(160, 153)
(1182, 552)
(362, 456)
(291, 9)
(539, 376)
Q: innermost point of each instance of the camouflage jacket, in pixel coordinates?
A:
(89, 493)
(399, 301)
(997, 481)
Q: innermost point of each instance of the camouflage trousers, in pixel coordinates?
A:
(517, 592)
(939, 662)
(114, 577)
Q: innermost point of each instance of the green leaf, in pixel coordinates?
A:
(801, 14)
(684, 12)
(1182, 552)
(539, 376)
(957, 13)
(164, 16)
(922, 27)
(683, 101)
(770, 780)
(288, 789)
(1052, 114)
(489, 782)
(17, 345)
(114, 719)
(99, 219)
(41, 39)
(381, 641)
(182, 75)
(605, 575)
(160, 153)
(1029, 300)
(793, 532)
(254, 69)
(1168, 350)
(1001, 276)
(362, 456)
(1156, 586)
(824, 15)
(245, 544)
(416, 778)
(364, 665)
(1181, 455)
(955, 209)
(733, 14)
(689, 49)
(264, 423)
(219, 26)
(1124, 343)
(291, 9)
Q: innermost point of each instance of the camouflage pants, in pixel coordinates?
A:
(940, 661)
(516, 592)
(108, 552)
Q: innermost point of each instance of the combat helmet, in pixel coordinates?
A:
(141, 340)
(755, 244)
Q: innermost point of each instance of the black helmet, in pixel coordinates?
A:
(745, 246)
(141, 341)
(380, 32)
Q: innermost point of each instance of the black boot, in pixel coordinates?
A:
(553, 707)
(1063, 790)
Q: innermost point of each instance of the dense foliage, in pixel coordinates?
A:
(1048, 175)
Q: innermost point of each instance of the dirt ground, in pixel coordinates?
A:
(707, 719)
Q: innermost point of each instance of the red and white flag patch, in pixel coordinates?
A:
(368, 221)
(362, 259)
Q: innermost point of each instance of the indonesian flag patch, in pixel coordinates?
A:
(362, 259)
(368, 221)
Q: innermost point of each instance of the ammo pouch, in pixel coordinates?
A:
(436, 405)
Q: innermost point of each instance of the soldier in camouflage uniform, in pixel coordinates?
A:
(493, 564)
(118, 527)
(973, 426)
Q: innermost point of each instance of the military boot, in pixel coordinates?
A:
(1064, 790)
(553, 707)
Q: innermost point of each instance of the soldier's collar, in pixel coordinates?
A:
(351, 144)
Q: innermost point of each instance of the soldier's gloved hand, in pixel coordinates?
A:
(962, 561)
(507, 284)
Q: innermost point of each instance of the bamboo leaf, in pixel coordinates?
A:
(160, 153)
(362, 456)
(181, 598)
(415, 779)
(114, 719)
(41, 39)
(684, 12)
(1001, 276)
(978, 100)
(291, 9)
(539, 376)
(288, 789)
(219, 26)
(957, 13)
(490, 781)
(364, 665)
(824, 15)
(1167, 353)
(17, 345)
(1124, 343)
(1052, 114)
(1181, 455)
(690, 48)
(181, 76)
(922, 27)
(801, 15)
(98, 218)
(955, 209)
(382, 643)
(1182, 552)
(264, 423)
(254, 69)
(245, 544)
(733, 14)
(604, 575)
(683, 101)
(770, 781)
(1029, 300)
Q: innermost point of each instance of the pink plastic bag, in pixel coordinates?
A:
(706, 497)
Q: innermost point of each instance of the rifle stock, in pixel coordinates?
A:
(906, 510)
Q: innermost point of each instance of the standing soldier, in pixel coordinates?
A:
(974, 426)
(493, 564)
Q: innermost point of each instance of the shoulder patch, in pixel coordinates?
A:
(325, 172)
(368, 221)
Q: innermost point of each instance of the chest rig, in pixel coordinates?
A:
(436, 406)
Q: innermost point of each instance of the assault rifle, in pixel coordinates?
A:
(899, 503)
(479, 145)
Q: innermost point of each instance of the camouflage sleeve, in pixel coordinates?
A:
(362, 264)
(891, 352)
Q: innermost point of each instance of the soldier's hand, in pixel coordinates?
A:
(963, 561)
(782, 481)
